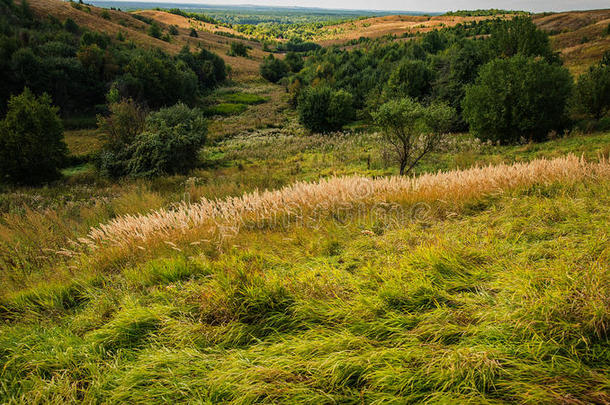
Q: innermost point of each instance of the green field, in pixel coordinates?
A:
(498, 298)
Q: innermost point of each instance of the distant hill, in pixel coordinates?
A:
(581, 36)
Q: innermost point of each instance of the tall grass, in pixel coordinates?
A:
(304, 199)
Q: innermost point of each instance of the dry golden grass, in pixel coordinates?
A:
(132, 29)
(303, 200)
(243, 68)
(578, 35)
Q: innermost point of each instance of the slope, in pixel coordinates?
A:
(133, 29)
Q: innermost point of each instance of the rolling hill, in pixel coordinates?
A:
(135, 30)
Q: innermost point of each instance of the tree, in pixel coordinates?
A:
(32, 148)
(413, 130)
(173, 30)
(125, 122)
(154, 30)
(294, 61)
(71, 26)
(193, 33)
(170, 143)
(273, 69)
(520, 36)
(238, 49)
(517, 98)
(323, 110)
(592, 92)
(412, 79)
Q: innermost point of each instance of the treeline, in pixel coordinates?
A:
(195, 16)
(78, 67)
(484, 13)
(505, 86)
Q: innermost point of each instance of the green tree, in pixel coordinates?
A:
(592, 92)
(32, 148)
(170, 143)
(412, 78)
(71, 26)
(521, 36)
(323, 110)
(154, 30)
(193, 33)
(294, 61)
(273, 69)
(517, 97)
(238, 49)
(173, 30)
(123, 125)
(413, 130)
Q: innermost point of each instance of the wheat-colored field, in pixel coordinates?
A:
(303, 199)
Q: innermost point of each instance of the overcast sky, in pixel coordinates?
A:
(419, 5)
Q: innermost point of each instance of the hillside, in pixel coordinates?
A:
(389, 25)
(581, 36)
(136, 30)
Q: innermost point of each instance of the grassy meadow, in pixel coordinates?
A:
(485, 283)
(237, 229)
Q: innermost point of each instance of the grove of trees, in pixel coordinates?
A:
(77, 67)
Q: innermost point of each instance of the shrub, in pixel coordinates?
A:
(154, 30)
(105, 15)
(170, 143)
(238, 49)
(32, 148)
(517, 97)
(193, 33)
(71, 26)
(274, 69)
(323, 110)
(412, 130)
(173, 30)
(592, 92)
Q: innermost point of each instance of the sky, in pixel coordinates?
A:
(419, 5)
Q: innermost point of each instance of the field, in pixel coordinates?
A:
(485, 278)
(298, 267)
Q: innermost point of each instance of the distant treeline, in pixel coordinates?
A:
(484, 13)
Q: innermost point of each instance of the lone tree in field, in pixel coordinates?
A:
(32, 146)
(413, 130)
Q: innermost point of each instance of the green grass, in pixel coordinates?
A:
(505, 304)
(243, 98)
(504, 301)
(226, 109)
